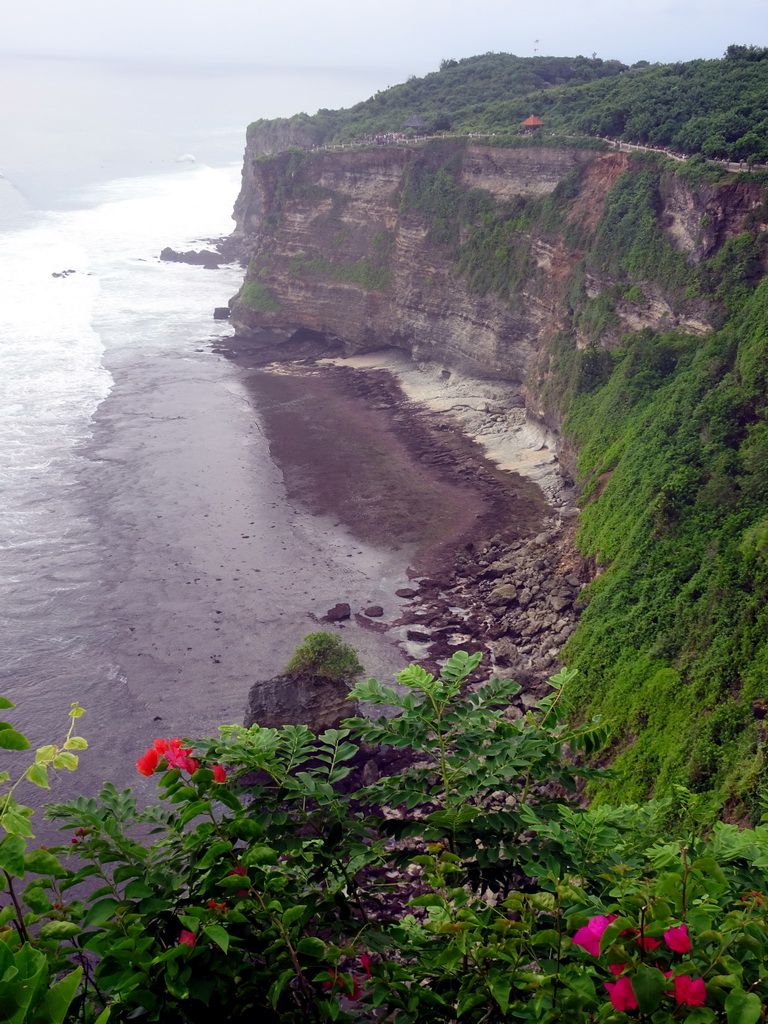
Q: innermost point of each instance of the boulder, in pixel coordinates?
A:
(504, 594)
(374, 611)
(338, 613)
(316, 701)
(221, 313)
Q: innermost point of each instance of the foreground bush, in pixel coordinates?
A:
(267, 885)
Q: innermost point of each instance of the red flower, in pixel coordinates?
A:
(187, 938)
(677, 939)
(239, 869)
(690, 991)
(621, 994)
(147, 764)
(161, 746)
(365, 962)
(589, 936)
(616, 968)
(646, 942)
(220, 908)
(352, 990)
(219, 775)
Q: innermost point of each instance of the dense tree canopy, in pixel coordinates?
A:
(715, 107)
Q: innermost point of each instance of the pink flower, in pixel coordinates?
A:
(219, 775)
(147, 764)
(187, 938)
(690, 991)
(677, 939)
(646, 942)
(621, 994)
(589, 936)
(178, 757)
(616, 968)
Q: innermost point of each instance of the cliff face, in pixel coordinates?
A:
(334, 250)
(333, 253)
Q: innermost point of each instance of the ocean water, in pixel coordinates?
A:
(151, 566)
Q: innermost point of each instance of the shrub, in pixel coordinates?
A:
(325, 654)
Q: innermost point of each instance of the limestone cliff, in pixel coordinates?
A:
(336, 251)
(318, 227)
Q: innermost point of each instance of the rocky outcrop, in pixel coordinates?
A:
(291, 700)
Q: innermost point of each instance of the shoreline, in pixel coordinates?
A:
(504, 576)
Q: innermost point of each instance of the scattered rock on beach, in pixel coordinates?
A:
(338, 613)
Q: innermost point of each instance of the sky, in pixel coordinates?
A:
(391, 40)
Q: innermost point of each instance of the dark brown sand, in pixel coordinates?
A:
(351, 445)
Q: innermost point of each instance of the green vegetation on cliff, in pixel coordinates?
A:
(674, 641)
(718, 108)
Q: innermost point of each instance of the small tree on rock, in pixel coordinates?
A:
(325, 654)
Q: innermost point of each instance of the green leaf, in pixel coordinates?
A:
(12, 855)
(59, 997)
(258, 855)
(278, 985)
(648, 984)
(310, 946)
(202, 778)
(582, 984)
(101, 912)
(5, 703)
(16, 824)
(742, 1007)
(218, 935)
(293, 914)
(12, 740)
(37, 900)
(430, 900)
(58, 930)
(38, 775)
(45, 754)
(698, 1015)
(500, 984)
(227, 797)
(76, 743)
(153, 906)
(709, 866)
(41, 862)
(212, 854)
(137, 890)
(235, 882)
(193, 809)
(247, 828)
(65, 760)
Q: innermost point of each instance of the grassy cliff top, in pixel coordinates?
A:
(715, 107)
